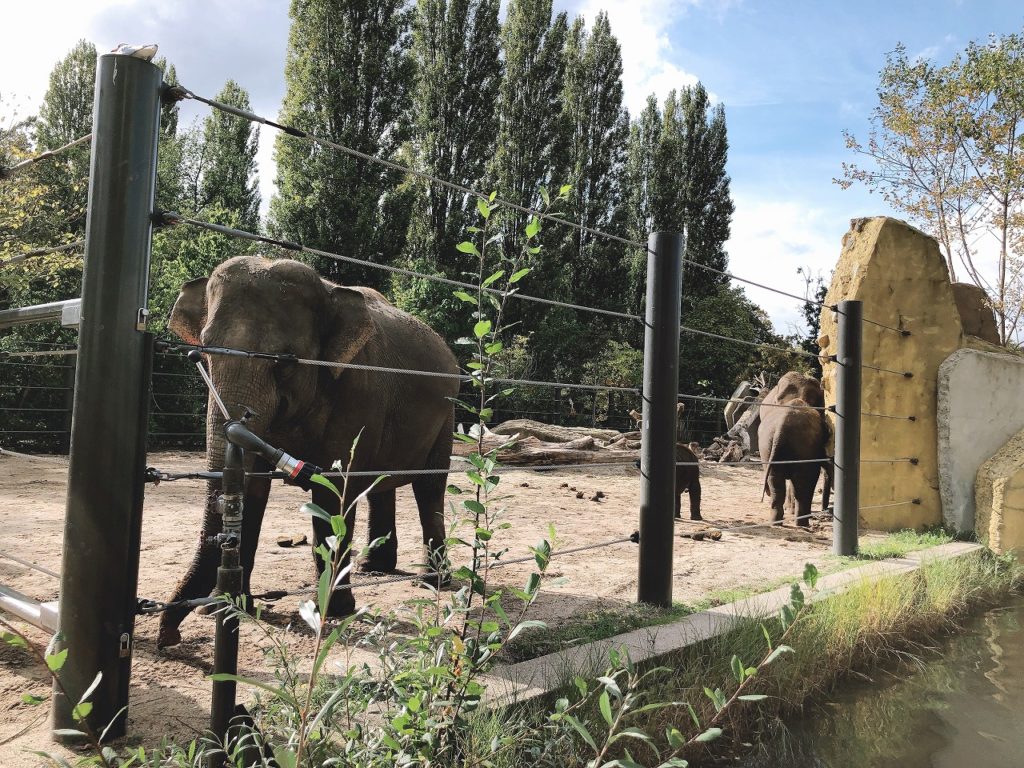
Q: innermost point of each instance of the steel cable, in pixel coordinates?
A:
(6, 173)
(41, 252)
(28, 564)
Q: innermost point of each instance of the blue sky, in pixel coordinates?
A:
(792, 76)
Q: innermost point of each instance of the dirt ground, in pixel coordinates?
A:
(169, 694)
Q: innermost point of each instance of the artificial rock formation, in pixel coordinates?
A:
(999, 499)
(975, 312)
(900, 275)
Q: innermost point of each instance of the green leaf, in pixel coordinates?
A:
(752, 697)
(581, 686)
(709, 735)
(767, 637)
(81, 710)
(13, 639)
(693, 714)
(532, 227)
(524, 625)
(468, 298)
(278, 693)
(413, 704)
(494, 348)
(454, 490)
(55, 661)
(315, 510)
(474, 506)
(519, 275)
(484, 208)
(581, 731)
(674, 762)
(482, 328)
(564, 190)
(31, 698)
(786, 616)
(321, 480)
(604, 703)
(738, 670)
(544, 195)
(776, 653)
(467, 247)
(674, 737)
(810, 575)
(492, 277)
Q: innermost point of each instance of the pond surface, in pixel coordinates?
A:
(964, 708)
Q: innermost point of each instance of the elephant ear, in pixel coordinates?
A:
(348, 328)
(188, 316)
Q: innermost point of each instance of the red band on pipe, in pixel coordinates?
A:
(298, 468)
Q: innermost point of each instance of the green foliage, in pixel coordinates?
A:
(228, 173)
(458, 71)
(348, 76)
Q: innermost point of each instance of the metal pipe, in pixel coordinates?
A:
(107, 460)
(229, 584)
(658, 438)
(37, 313)
(848, 396)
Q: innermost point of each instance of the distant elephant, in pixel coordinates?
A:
(797, 431)
(314, 413)
(687, 481)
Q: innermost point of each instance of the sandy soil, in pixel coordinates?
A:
(170, 696)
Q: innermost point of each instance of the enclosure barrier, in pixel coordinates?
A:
(103, 521)
(126, 123)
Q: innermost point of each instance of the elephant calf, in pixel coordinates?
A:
(687, 481)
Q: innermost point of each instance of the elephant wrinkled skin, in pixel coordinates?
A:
(404, 422)
(800, 431)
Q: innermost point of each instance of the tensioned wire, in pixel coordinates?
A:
(181, 92)
(42, 252)
(51, 153)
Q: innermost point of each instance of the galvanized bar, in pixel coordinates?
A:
(658, 431)
(42, 615)
(107, 458)
(848, 396)
(38, 313)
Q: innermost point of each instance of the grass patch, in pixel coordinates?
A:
(891, 620)
(900, 543)
(590, 627)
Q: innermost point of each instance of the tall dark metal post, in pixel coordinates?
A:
(229, 583)
(658, 432)
(848, 391)
(107, 455)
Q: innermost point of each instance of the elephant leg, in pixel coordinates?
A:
(201, 578)
(429, 491)
(679, 503)
(804, 483)
(381, 522)
(777, 486)
(342, 602)
(694, 500)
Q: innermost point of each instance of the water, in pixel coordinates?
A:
(963, 709)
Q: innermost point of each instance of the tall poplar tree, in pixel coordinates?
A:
(531, 149)
(348, 75)
(228, 178)
(458, 73)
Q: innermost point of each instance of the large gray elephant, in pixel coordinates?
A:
(314, 413)
(794, 428)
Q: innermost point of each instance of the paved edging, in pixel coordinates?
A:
(536, 677)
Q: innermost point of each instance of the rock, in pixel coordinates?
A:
(291, 541)
(579, 494)
(524, 485)
(900, 275)
(733, 453)
(975, 309)
(999, 499)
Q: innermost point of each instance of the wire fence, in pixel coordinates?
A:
(6, 173)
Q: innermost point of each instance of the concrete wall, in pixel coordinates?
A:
(999, 499)
(980, 408)
(899, 274)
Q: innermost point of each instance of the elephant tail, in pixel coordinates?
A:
(768, 469)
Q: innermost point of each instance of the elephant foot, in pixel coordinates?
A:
(167, 637)
(342, 603)
(696, 517)
(378, 565)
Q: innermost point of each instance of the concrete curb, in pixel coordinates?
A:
(515, 683)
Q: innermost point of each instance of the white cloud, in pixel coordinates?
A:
(642, 28)
(771, 239)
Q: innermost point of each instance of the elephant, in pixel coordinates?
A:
(687, 481)
(794, 433)
(403, 421)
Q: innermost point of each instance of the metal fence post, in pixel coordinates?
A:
(658, 432)
(103, 522)
(847, 410)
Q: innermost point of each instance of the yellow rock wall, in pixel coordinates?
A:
(999, 499)
(899, 274)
